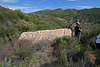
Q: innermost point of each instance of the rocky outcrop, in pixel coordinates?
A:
(49, 35)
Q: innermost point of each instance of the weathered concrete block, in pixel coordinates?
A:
(49, 35)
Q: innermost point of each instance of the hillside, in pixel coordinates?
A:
(88, 18)
(15, 22)
(89, 15)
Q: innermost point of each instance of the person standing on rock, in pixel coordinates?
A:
(78, 30)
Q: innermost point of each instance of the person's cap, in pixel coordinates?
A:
(77, 21)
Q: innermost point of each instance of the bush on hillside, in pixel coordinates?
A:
(23, 27)
(70, 55)
(23, 50)
(89, 37)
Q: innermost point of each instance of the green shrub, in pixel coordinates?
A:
(27, 18)
(26, 55)
(67, 45)
(35, 60)
(6, 63)
(96, 52)
(24, 27)
(71, 56)
(89, 37)
(19, 14)
(23, 51)
(67, 40)
(15, 21)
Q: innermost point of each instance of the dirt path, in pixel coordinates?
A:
(92, 57)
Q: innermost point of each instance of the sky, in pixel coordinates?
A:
(37, 5)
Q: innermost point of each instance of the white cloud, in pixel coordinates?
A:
(72, 0)
(18, 7)
(30, 10)
(84, 6)
(22, 8)
(8, 1)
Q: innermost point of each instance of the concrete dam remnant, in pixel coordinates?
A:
(49, 35)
